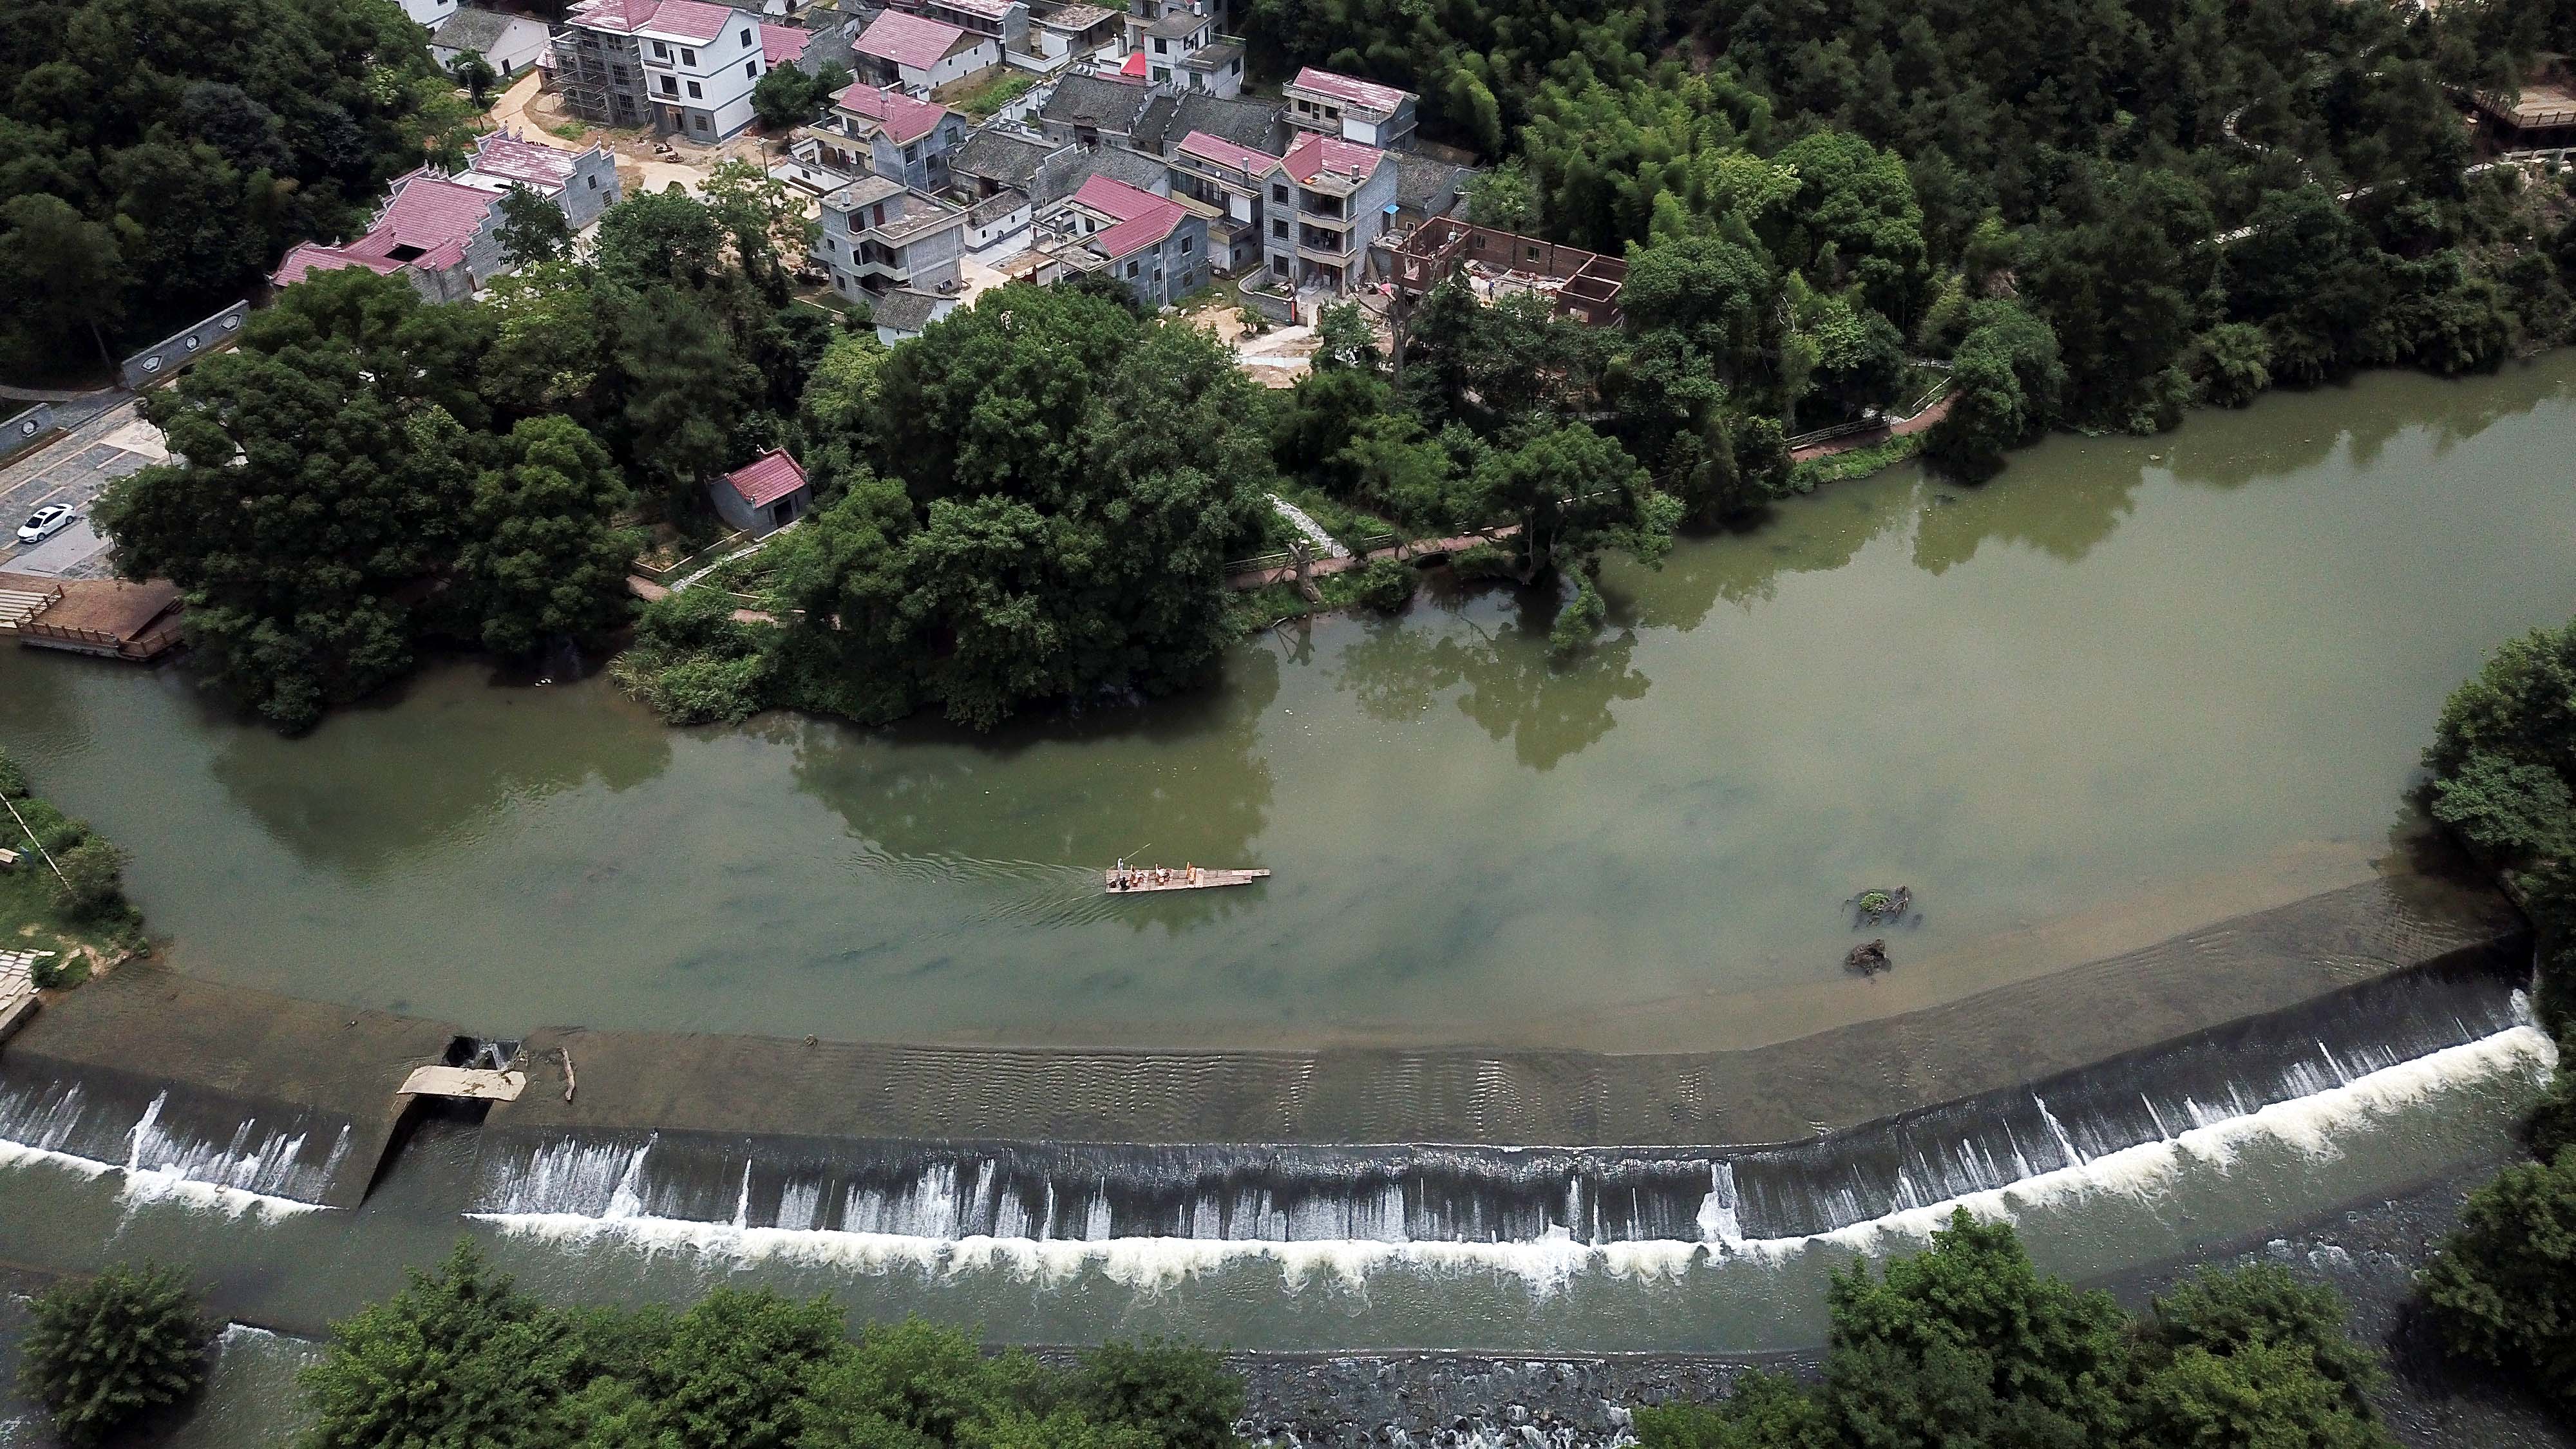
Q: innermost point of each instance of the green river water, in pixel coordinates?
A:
(2131, 686)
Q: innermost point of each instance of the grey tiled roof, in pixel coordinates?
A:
(1004, 156)
(1063, 175)
(474, 30)
(1090, 100)
(996, 206)
(1248, 123)
(1425, 185)
(904, 310)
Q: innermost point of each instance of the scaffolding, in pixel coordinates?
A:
(587, 77)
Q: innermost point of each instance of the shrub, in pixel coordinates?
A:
(105, 1352)
(1485, 561)
(1180, 1395)
(694, 663)
(13, 777)
(1578, 622)
(1387, 584)
(2503, 1288)
(92, 879)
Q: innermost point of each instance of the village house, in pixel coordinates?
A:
(507, 43)
(1334, 200)
(764, 495)
(1151, 243)
(921, 55)
(1004, 22)
(1425, 188)
(441, 233)
(993, 160)
(1093, 110)
(1182, 49)
(878, 234)
(1060, 35)
(681, 66)
(1231, 181)
(904, 314)
(878, 131)
(1356, 110)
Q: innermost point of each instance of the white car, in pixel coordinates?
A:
(47, 521)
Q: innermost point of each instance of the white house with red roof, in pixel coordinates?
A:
(763, 495)
(1235, 182)
(921, 55)
(1155, 245)
(1332, 104)
(684, 67)
(878, 130)
(1331, 203)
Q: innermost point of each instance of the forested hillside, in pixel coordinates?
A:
(1811, 182)
(156, 156)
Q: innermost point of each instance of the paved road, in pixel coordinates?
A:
(72, 469)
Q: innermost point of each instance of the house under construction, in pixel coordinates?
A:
(1581, 284)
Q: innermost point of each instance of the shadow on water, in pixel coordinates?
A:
(934, 801)
(1491, 647)
(443, 755)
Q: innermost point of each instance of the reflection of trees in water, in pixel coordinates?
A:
(1743, 565)
(424, 761)
(1548, 710)
(40, 713)
(2063, 513)
(1046, 802)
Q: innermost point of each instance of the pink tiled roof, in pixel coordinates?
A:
(1350, 89)
(1134, 65)
(780, 44)
(689, 19)
(907, 39)
(621, 16)
(306, 258)
(1226, 153)
(766, 479)
(1142, 217)
(904, 119)
(1315, 154)
(431, 213)
(500, 153)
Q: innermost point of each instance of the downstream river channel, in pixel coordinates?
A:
(2130, 687)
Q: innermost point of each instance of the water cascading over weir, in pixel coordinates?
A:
(1452, 1150)
(1429, 1148)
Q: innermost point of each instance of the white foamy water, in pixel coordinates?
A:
(2311, 1125)
(225, 1178)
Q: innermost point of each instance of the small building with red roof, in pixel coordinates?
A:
(763, 495)
(1333, 104)
(920, 54)
(435, 233)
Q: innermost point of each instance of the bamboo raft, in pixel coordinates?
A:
(1140, 882)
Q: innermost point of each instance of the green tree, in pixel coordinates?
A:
(683, 390)
(460, 1356)
(533, 228)
(474, 75)
(104, 1353)
(1180, 1396)
(60, 274)
(2504, 750)
(91, 879)
(545, 558)
(787, 97)
(1503, 196)
(2502, 1290)
(1575, 495)
(730, 1374)
(2005, 384)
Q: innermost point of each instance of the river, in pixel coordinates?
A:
(2130, 687)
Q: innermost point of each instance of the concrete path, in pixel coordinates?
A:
(1259, 578)
(1325, 544)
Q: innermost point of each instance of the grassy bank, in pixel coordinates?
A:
(66, 894)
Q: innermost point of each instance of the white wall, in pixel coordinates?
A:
(428, 12)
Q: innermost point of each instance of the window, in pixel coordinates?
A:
(1188, 244)
(746, 37)
(688, 56)
(661, 51)
(1234, 67)
(1533, 254)
(594, 183)
(1160, 47)
(698, 120)
(1134, 267)
(831, 247)
(751, 67)
(1279, 194)
(1279, 227)
(912, 152)
(1162, 73)
(670, 87)
(696, 93)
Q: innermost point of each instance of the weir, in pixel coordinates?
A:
(164, 1075)
(941, 1144)
(242, 1090)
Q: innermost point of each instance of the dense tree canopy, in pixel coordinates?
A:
(105, 1353)
(197, 138)
(461, 1357)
